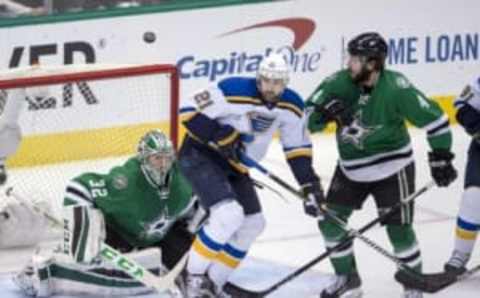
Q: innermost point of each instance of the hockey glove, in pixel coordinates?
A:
(314, 198)
(441, 168)
(335, 110)
(228, 143)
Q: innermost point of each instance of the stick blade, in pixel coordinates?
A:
(429, 283)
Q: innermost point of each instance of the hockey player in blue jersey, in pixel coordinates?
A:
(239, 115)
(468, 219)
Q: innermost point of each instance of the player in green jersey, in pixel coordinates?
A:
(144, 208)
(370, 105)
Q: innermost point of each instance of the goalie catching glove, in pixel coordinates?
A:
(20, 224)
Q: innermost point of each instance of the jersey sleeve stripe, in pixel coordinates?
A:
(299, 152)
(291, 107)
(440, 129)
(229, 138)
(436, 123)
(74, 193)
(243, 100)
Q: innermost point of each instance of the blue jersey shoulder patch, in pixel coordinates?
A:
(292, 97)
(239, 86)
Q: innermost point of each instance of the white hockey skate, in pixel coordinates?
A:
(28, 280)
(411, 293)
(457, 263)
(199, 286)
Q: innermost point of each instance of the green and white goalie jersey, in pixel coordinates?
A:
(135, 209)
(377, 144)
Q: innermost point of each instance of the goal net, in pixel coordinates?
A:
(84, 118)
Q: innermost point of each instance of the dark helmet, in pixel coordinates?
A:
(370, 44)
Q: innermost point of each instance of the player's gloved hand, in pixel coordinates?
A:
(314, 198)
(441, 168)
(335, 109)
(228, 143)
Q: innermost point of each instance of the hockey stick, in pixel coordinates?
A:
(434, 282)
(248, 161)
(351, 233)
(347, 239)
(119, 260)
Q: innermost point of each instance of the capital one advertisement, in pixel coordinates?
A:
(208, 45)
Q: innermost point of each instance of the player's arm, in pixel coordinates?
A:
(427, 114)
(468, 109)
(84, 224)
(298, 152)
(328, 102)
(199, 114)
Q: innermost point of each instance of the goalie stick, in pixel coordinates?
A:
(351, 233)
(119, 260)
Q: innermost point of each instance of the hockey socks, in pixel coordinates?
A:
(468, 221)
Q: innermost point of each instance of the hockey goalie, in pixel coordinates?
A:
(144, 208)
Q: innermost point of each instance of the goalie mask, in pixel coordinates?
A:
(272, 77)
(156, 155)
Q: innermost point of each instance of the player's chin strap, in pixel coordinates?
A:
(120, 261)
(351, 233)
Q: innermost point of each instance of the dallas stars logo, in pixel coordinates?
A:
(357, 132)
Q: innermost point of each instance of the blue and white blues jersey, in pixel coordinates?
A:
(470, 95)
(236, 102)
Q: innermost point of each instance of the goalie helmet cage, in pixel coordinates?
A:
(85, 118)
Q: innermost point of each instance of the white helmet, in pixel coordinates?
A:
(274, 67)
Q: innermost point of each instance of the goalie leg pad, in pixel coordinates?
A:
(84, 232)
(57, 275)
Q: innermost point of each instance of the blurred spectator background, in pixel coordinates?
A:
(13, 8)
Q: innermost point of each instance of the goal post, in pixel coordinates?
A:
(79, 112)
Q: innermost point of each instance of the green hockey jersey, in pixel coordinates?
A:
(377, 144)
(138, 211)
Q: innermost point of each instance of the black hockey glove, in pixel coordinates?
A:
(314, 198)
(228, 143)
(335, 110)
(441, 167)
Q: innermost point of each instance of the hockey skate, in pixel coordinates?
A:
(199, 286)
(412, 293)
(344, 286)
(457, 263)
(28, 280)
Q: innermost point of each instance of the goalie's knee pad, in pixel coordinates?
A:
(84, 232)
(252, 227)
(470, 206)
(225, 219)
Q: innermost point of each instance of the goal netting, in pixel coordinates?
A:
(84, 118)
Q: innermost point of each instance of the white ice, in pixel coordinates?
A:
(292, 239)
